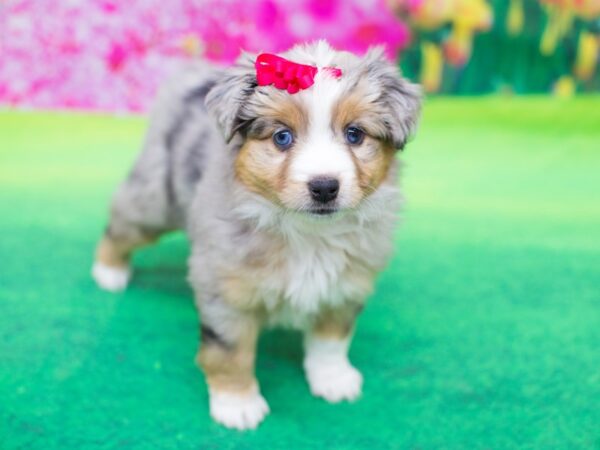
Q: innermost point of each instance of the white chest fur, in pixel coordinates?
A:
(327, 264)
(320, 271)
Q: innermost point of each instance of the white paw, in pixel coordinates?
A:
(113, 279)
(242, 412)
(335, 381)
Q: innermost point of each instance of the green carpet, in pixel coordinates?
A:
(484, 332)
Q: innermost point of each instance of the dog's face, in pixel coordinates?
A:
(324, 149)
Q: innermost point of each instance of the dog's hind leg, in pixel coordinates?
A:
(111, 268)
(139, 214)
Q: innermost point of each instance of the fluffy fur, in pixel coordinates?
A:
(263, 252)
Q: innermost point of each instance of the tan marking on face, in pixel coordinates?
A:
(374, 157)
(284, 109)
(261, 166)
(351, 108)
(282, 176)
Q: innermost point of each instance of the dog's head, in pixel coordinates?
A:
(323, 149)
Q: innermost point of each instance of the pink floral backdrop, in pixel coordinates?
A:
(110, 55)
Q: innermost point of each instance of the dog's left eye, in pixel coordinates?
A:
(354, 135)
(283, 139)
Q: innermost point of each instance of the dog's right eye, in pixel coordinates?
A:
(354, 135)
(283, 139)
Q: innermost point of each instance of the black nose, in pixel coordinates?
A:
(324, 190)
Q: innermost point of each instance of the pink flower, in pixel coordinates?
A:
(111, 56)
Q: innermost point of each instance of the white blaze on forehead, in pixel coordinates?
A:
(320, 152)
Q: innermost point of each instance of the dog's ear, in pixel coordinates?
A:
(227, 98)
(399, 99)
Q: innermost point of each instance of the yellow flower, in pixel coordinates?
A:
(587, 55)
(431, 66)
(515, 17)
(564, 87)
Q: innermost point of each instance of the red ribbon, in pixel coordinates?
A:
(288, 75)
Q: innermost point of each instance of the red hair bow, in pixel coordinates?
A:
(288, 75)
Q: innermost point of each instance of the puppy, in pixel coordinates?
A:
(284, 175)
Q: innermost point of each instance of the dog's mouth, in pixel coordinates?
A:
(322, 210)
(318, 211)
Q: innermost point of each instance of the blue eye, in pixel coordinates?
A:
(354, 135)
(283, 139)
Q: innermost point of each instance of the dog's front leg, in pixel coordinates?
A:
(227, 356)
(328, 370)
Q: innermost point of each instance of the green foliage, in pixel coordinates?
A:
(504, 63)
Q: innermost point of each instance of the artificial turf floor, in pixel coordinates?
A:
(484, 332)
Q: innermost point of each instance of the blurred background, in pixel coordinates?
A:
(483, 332)
(109, 55)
